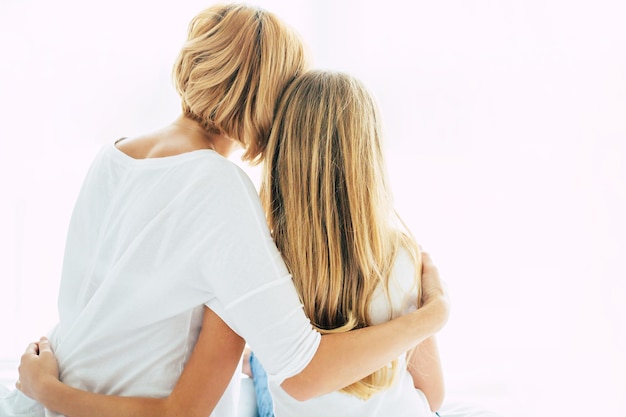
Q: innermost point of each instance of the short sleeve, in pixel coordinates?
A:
(251, 289)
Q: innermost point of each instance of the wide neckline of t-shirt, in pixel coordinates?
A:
(120, 156)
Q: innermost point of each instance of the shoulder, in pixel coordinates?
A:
(216, 171)
(220, 186)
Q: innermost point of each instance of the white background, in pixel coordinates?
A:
(506, 132)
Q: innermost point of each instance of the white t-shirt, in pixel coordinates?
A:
(151, 241)
(401, 399)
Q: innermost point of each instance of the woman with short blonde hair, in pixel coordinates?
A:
(230, 72)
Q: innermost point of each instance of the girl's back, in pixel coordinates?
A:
(401, 399)
(352, 263)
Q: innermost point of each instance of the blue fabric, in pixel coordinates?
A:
(263, 398)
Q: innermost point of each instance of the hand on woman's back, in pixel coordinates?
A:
(433, 289)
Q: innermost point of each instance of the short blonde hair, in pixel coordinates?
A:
(232, 70)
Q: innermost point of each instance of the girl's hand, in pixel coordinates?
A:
(38, 365)
(433, 288)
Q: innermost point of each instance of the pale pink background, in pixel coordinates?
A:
(506, 131)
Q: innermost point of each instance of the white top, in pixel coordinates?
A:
(151, 241)
(401, 399)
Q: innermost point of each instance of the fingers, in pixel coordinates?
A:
(427, 261)
(37, 348)
(44, 346)
(32, 349)
(429, 269)
(431, 281)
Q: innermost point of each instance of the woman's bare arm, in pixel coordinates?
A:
(203, 381)
(424, 365)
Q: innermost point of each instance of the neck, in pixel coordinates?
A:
(220, 143)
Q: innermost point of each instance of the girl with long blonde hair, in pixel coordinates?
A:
(330, 211)
(168, 254)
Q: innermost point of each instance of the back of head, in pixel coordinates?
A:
(326, 143)
(235, 64)
(329, 205)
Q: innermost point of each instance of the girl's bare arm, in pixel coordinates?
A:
(424, 365)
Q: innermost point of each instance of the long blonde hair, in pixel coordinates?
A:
(236, 62)
(329, 206)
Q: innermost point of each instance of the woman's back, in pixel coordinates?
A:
(131, 277)
(153, 240)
